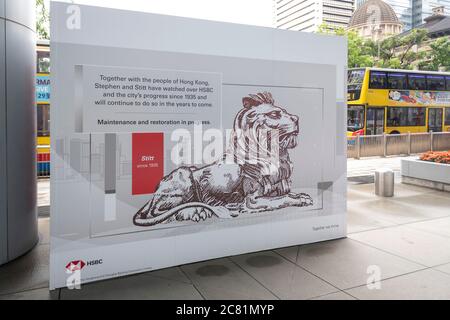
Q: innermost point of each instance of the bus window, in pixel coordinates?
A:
(355, 118)
(43, 120)
(405, 116)
(448, 82)
(377, 80)
(354, 84)
(447, 117)
(435, 82)
(396, 81)
(417, 82)
(416, 117)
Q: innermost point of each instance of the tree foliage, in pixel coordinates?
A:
(360, 50)
(400, 52)
(42, 20)
(395, 52)
(438, 58)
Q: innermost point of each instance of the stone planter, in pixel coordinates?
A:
(426, 174)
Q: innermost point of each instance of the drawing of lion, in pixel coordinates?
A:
(237, 183)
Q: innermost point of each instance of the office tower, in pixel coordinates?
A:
(308, 15)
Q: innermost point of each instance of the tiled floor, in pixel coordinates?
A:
(405, 240)
(367, 166)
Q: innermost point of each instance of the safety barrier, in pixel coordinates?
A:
(396, 144)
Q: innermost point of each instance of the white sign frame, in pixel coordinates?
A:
(97, 40)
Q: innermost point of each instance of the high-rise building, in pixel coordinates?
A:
(308, 15)
(413, 12)
(422, 9)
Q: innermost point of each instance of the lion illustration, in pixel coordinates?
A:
(237, 183)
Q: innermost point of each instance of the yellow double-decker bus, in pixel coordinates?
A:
(397, 101)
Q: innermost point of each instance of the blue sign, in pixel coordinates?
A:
(43, 88)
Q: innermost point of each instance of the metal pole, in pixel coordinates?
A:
(431, 140)
(358, 146)
(409, 143)
(384, 144)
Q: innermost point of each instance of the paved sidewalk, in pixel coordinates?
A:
(43, 190)
(367, 166)
(406, 238)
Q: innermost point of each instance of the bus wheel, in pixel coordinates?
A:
(394, 132)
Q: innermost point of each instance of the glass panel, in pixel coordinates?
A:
(435, 120)
(406, 116)
(417, 82)
(447, 116)
(448, 82)
(43, 62)
(431, 118)
(396, 117)
(439, 117)
(354, 84)
(416, 117)
(435, 82)
(375, 121)
(355, 118)
(377, 80)
(370, 121)
(379, 125)
(397, 81)
(43, 120)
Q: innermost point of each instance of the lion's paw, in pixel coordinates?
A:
(203, 214)
(200, 215)
(305, 200)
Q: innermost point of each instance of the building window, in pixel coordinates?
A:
(447, 116)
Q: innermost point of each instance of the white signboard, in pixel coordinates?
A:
(171, 152)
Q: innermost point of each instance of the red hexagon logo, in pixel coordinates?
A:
(75, 265)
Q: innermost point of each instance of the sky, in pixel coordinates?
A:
(252, 12)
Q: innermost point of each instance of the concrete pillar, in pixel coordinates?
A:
(18, 212)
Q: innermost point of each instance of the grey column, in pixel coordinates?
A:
(3, 204)
(18, 212)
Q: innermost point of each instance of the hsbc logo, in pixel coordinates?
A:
(94, 262)
(76, 265)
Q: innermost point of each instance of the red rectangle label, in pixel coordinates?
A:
(147, 162)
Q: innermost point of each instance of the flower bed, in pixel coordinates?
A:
(427, 172)
(436, 156)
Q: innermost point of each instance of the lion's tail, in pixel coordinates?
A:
(220, 212)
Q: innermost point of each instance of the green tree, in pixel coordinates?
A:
(398, 51)
(42, 20)
(360, 50)
(438, 58)
(395, 52)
